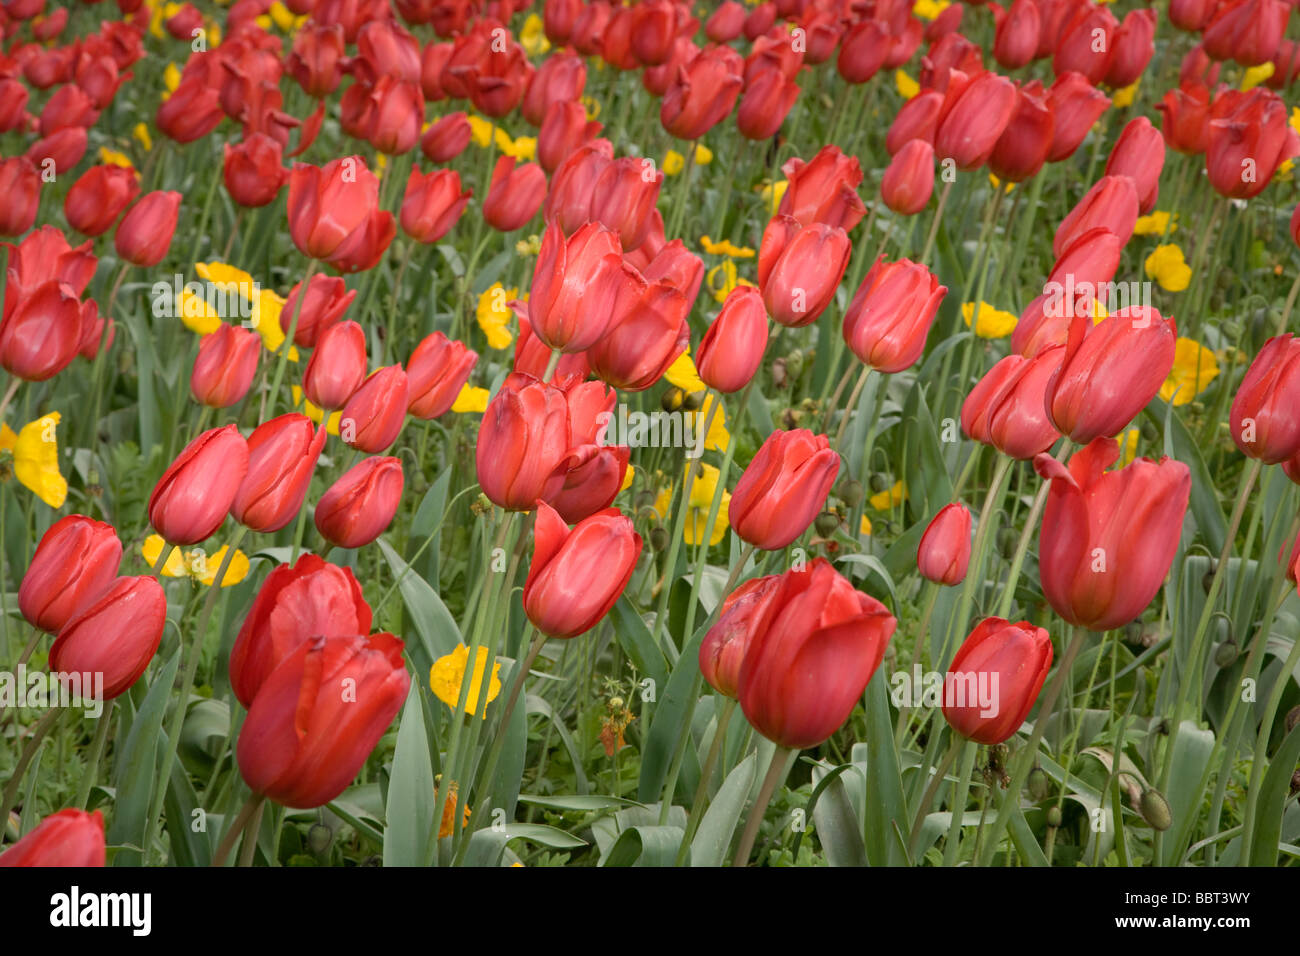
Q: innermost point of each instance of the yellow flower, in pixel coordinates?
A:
(773, 193)
(530, 246)
(317, 414)
(494, 315)
(1284, 169)
(884, 500)
(726, 248)
(718, 436)
(702, 155)
(448, 672)
(470, 399)
(1295, 118)
(1126, 96)
(141, 133)
(266, 322)
(929, 9)
(721, 279)
(1256, 75)
(1167, 267)
(592, 106)
(480, 130)
(865, 526)
(282, 16)
(111, 157)
(992, 323)
(702, 489)
(674, 162)
(997, 183)
(532, 37)
(683, 374)
(1156, 224)
(171, 79)
(523, 148)
(36, 458)
(228, 278)
(628, 477)
(906, 86)
(198, 316)
(195, 563)
(1128, 446)
(1195, 367)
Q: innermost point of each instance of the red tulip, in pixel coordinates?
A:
(799, 269)
(334, 214)
(446, 138)
(145, 233)
(225, 366)
(191, 112)
(703, 94)
(532, 356)
(282, 455)
(42, 257)
(943, 554)
(595, 469)
(1262, 417)
(74, 565)
(318, 716)
(68, 838)
(576, 284)
(1133, 47)
(514, 195)
(63, 149)
(117, 635)
(1024, 145)
(98, 197)
(1108, 538)
(908, 183)
(560, 79)
(13, 104)
(1085, 265)
(253, 172)
(1247, 31)
(41, 335)
(1076, 104)
(1139, 154)
(722, 652)
(1197, 67)
(1086, 43)
(316, 60)
(558, 18)
(823, 190)
(1249, 137)
(327, 299)
(726, 22)
(523, 443)
(732, 349)
(783, 489)
(1007, 407)
(374, 415)
(357, 508)
(436, 372)
(887, 322)
(568, 202)
(196, 491)
(432, 204)
(624, 196)
(395, 113)
(1112, 203)
(70, 106)
(577, 574)
(565, 129)
(1015, 40)
(648, 332)
(768, 99)
(385, 48)
(337, 367)
(20, 184)
(1191, 15)
(973, 119)
(1008, 661)
(863, 49)
(812, 651)
(916, 119)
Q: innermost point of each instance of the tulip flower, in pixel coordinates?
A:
(1085, 43)
(1108, 374)
(568, 202)
(560, 79)
(1139, 154)
(890, 316)
(824, 190)
(1262, 418)
(145, 232)
(1007, 407)
(98, 197)
(282, 455)
(1111, 203)
(523, 443)
(191, 112)
(1015, 37)
(252, 171)
(327, 299)
(374, 415)
(514, 194)
(316, 59)
(703, 93)
(357, 508)
(576, 283)
(21, 186)
(74, 565)
(41, 335)
(768, 99)
(432, 204)
(1085, 265)
(1185, 113)
(1248, 138)
(908, 183)
(624, 195)
(337, 367)
(68, 838)
(863, 49)
(732, 349)
(334, 214)
(116, 636)
(1191, 15)
(1008, 660)
(62, 149)
(1133, 45)
(973, 119)
(648, 333)
(196, 491)
(726, 22)
(318, 715)
(446, 138)
(1024, 145)
(577, 574)
(395, 113)
(1108, 538)
(533, 357)
(1076, 104)
(799, 269)
(1247, 31)
(783, 489)
(435, 373)
(722, 652)
(810, 656)
(13, 103)
(916, 119)
(225, 366)
(943, 554)
(311, 598)
(565, 129)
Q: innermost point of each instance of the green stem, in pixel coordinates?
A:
(776, 771)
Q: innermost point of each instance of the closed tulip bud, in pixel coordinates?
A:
(783, 488)
(1109, 373)
(577, 574)
(196, 491)
(909, 181)
(1262, 418)
(1133, 46)
(374, 415)
(1247, 31)
(560, 79)
(1015, 39)
(395, 113)
(225, 366)
(117, 635)
(824, 190)
(1197, 67)
(74, 565)
(316, 60)
(523, 443)
(432, 204)
(863, 49)
(811, 653)
(722, 651)
(253, 172)
(703, 93)
(799, 269)
(191, 112)
(68, 838)
(887, 322)
(42, 335)
(973, 120)
(13, 104)
(916, 119)
(532, 356)
(1248, 138)
(1139, 154)
(1024, 145)
(732, 349)
(98, 197)
(318, 716)
(435, 373)
(310, 599)
(1108, 538)
(1191, 15)
(1085, 265)
(1112, 204)
(514, 195)
(70, 106)
(726, 22)
(145, 233)
(334, 214)
(568, 202)
(1076, 104)
(357, 508)
(20, 184)
(446, 138)
(327, 299)
(576, 284)
(1086, 43)
(62, 149)
(337, 367)
(995, 678)
(565, 129)
(624, 196)
(648, 333)
(1007, 407)
(282, 455)
(944, 552)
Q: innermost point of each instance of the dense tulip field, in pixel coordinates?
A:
(649, 432)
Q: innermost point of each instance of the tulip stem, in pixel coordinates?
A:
(776, 772)
(38, 732)
(96, 754)
(252, 806)
(30, 649)
(932, 789)
(164, 555)
(552, 364)
(701, 800)
(1290, 304)
(683, 195)
(934, 224)
(177, 719)
(918, 652)
(1022, 546)
(850, 405)
(10, 392)
(287, 345)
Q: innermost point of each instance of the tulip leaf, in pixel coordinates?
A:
(135, 765)
(539, 705)
(578, 803)
(1191, 755)
(925, 473)
(409, 813)
(551, 837)
(1204, 501)
(671, 713)
(645, 846)
(1275, 788)
(187, 847)
(760, 416)
(634, 637)
(885, 804)
(811, 807)
(433, 622)
(510, 765)
(874, 564)
(713, 838)
(836, 816)
(147, 404)
(1023, 838)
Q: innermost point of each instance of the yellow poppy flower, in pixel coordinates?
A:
(1126, 96)
(448, 672)
(1295, 118)
(885, 500)
(773, 192)
(141, 133)
(718, 437)
(697, 516)
(591, 105)
(283, 17)
(195, 563)
(674, 162)
(265, 321)
(494, 315)
(1167, 266)
(906, 86)
(198, 316)
(726, 248)
(171, 79)
(929, 9)
(480, 130)
(529, 247)
(470, 399)
(1128, 446)
(523, 148)
(1256, 75)
(1195, 367)
(865, 526)
(532, 36)
(721, 279)
(992, 323)
(683, 374)
(702, 155)
(316, 414)
(36, 458)
(628, 477)
(1156, 224)
(111, 157)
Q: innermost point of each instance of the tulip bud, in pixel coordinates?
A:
(446, 138)
(357, 508)
(282, 455)
(1262, 416)
(944, 552)
(334, 214)
(909, 181)
(98, 197)
(68, 838)
(783, 489)
(253, 171)
(523, 443)
(116, 636)
(514, 194)
(41, 337)
(337, 367)
(196, 491)
(74, 565)
(732, 349)
(327, 299)
(995, 678)
(799, 269)
(887, 322)
(436, 372)
(432, 204)
(973, 119)
(374, 415)
(225, 366)
(722, 651)
(145, 232)
(1007, 407)
(703, 93)
(576, 284)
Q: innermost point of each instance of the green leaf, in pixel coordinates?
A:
(433, 622)
(1204, 499)
(578, 802)
(670, 714)
(1187, 766)
(645, 846)
(925, 473)
(709, 848)
(1276, 787)
(409, 814)
(539, 705)
(885, 802)
(634, 637)
(540, 833)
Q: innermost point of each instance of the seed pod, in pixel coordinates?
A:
(827, 523)
(851, 493)
(694, 401)
(878, 483)
(658, 538)
(672, 399)
(1225, 655)
(1054, 816)
(1155, 810)
(1038, 784)
(319, 838)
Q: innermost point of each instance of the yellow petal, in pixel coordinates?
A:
(141, 133)
(204, 567)
(448, 672)
(152, 549)
(470, 399)
(907, 87)
(885, 500)
(1195, 367)
(683, 374)
(674, 162)
(36, 460)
